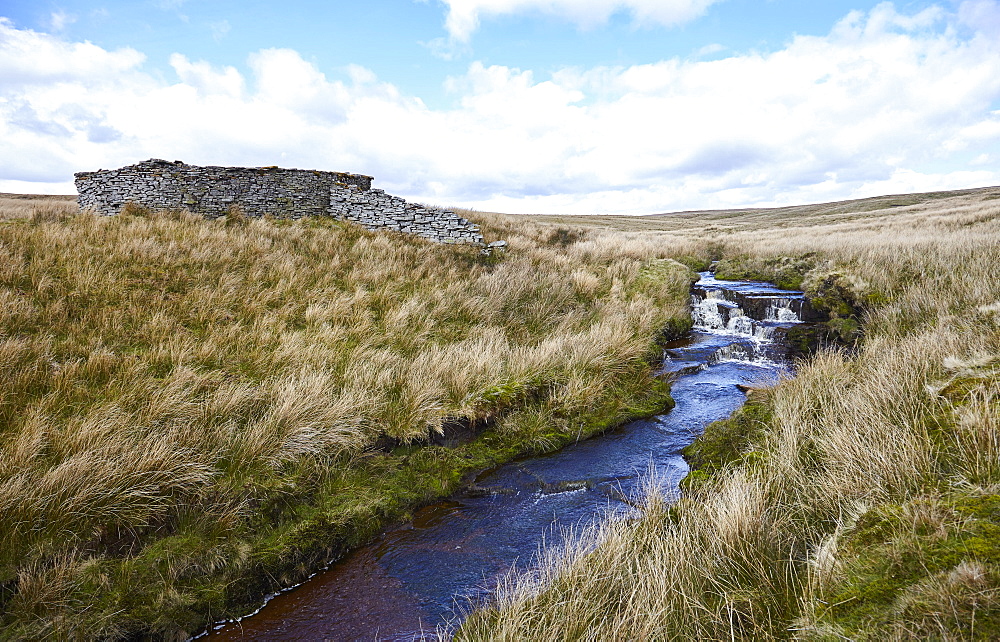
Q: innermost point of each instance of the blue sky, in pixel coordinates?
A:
(396, 39)
(627, 106)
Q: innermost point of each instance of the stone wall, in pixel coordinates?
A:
(272, 191)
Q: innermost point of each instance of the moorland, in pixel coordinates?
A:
(197, 412)
(858, 500)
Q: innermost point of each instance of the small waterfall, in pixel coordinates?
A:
(763, 333)
(734, 352)
(705, 312)
(741, 324)
(781, 310)
(715, 314)
(749, 316)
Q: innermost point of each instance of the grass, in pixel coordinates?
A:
(195, 413)
(858, 500)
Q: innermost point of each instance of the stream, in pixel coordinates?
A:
(421, 575)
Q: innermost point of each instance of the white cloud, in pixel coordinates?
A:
(464, 15)
(205, 79)
(447, 48)
(31, 57)
(885, 103)
(60, 20)
(906, 181)
(708, 50)
(981, 15)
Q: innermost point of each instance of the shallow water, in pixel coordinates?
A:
(419, 576)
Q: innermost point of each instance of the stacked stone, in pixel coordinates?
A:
(272, 191)
(374, 209)
(212, 191)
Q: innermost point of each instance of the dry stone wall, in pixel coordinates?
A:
(272, 191)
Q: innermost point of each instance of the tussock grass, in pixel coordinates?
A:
(36, 208)
(191, 406)
(195, 412)
(860, 500)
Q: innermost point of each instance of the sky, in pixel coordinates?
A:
(521, 106)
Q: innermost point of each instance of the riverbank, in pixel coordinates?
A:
(422, 576)
(857, 500)
(198, 413)
(155, 456)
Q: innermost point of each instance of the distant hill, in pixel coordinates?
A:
(750, 218)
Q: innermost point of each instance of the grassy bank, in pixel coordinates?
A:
(194, 413)
(860, 500)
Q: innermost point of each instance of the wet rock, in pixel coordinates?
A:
(758, 306)
(834, 294)
(805, 340)
(494, 247)
(474, 490)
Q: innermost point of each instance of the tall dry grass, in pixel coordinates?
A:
(175, 389)
(36, 207)
(822, 530)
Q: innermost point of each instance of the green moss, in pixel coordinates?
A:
(729, 440)
(844, 330)
(694, 263)
(834, 293)
(786, 272)
(960, 386)
(675, 329)
(922, 567)
(986, 507)
(803, 340)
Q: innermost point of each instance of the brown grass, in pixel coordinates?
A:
(764, 548)
(180, 394)
(35, 207)
(175, 388)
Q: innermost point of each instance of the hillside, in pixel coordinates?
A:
(872, 211)
(196, 413)
(859, 500)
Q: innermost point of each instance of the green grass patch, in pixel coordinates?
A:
(786, 272)
(729, 441)
(925, 568)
